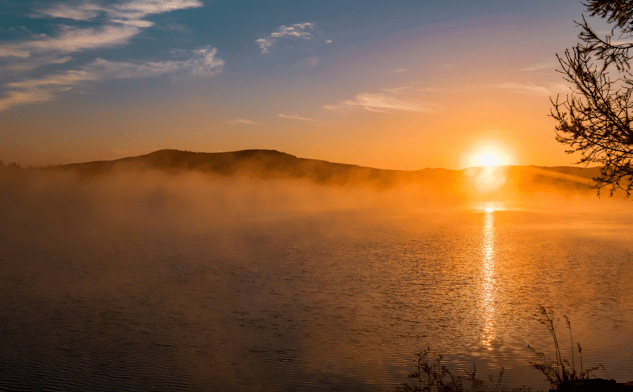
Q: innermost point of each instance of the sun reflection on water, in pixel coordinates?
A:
(487, 289)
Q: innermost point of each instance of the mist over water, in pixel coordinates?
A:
(142, 280)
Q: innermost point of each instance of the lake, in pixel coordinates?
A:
(334, 300)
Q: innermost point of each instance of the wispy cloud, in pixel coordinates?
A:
(538, 67)
(202, 63)
(291, 117)
(297, 30)
(138, 9)
(531, 89)
(22, 65)
(265, 43)
(85, 11)
(71, 39)
(398, 70)
(43, 89)
(395, 90)
(60, 82)
(15, 98)
(378, 103)
(241, 121)
(13, 51)
(121, 23)
(131, 10)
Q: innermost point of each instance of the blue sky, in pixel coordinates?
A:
(398, 84)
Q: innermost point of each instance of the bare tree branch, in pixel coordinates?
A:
(595, 119)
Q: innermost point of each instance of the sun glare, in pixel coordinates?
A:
(487, 154)
(489, 159)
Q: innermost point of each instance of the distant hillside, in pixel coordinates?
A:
(259, 164)
(271, 164)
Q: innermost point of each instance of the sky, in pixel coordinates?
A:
(388, 84)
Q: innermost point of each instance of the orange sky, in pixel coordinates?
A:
(404, 93)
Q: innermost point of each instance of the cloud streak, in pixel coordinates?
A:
(396, 90)
(69, 40)
(122, 22)
(241, 121)
(202, 63)
(297, 30)
(131, 10)
(380, 103)
(85, 11)
(531, 89)
(292, 117)
(538, 67)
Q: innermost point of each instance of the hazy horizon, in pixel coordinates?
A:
(574, 165)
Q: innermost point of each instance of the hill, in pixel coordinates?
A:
(256, 164)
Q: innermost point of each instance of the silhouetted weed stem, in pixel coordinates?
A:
(558, 372)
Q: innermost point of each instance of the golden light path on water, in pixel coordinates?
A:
(487, 289)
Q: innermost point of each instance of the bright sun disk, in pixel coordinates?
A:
(487, 153)
(489, 159)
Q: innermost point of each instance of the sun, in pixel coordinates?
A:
(489, 159)
(487, 153)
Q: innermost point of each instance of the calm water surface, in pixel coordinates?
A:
(318, 301)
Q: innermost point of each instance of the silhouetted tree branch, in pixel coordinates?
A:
(596, 118)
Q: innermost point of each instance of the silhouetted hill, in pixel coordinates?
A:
(271, 164)
(258, 164)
